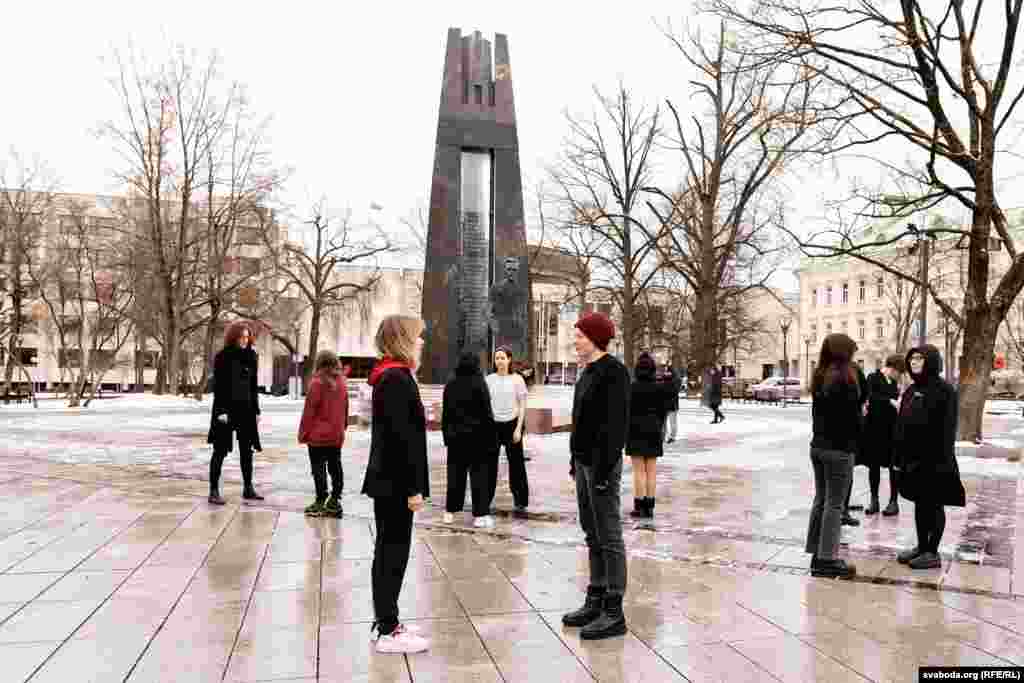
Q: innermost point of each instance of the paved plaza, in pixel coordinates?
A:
(113, 567)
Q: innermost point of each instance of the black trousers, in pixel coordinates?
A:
(875, 480)
(324, 459)
(463, 460)
(393, 520)
(516, 465)
(930, 521)
(244, 460)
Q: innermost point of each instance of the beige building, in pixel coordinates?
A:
(774, 347)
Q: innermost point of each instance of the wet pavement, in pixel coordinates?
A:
(113, 567)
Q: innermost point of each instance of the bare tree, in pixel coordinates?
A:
(330, 269)
(173, 117)
(27, 191)
(935, 78)
(720, 236)
(599, 184)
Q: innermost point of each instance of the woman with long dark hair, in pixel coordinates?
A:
(508, 401)
(926, 454)
(322, 428)
(468, 430)
(835, 411)
(396, 475)
(649, 403)
(236, 409)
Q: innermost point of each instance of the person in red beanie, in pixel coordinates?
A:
(600, 415)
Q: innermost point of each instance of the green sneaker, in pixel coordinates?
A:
(316, 509)
(332, 508)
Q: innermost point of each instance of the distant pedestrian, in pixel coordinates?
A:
(713, 392)
(672, 416)
(508, 401)
(236, 409)
(926, 454)
(600, 415)
(880, 432)
(397, 477)
(835, 415)
(322, 429)
(648, 404)
(469, 432)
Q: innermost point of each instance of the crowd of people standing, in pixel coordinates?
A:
(881, 421)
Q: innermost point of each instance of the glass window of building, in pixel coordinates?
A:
(879, 328)
(814, 297)
(814, 331)
(846, 326)
(828, 328)
(846, 292)
(860, 329)
(862, 291)
(828, 295)
(880, 287)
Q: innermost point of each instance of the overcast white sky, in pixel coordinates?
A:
(352, 88)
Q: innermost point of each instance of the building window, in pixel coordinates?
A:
(860, 329)
(879, 328)
(28, 356)
(878, 364)
(814, 332)
(846, 292)
(828, 295)
(863, 291)
(846, 326)
(899, 287)
(814, 297)
(860, 362)
(552, 319)
(828, 329)
(880, 287)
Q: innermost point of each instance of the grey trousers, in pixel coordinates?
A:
(833, 474)
(671, 425)
(601, 519)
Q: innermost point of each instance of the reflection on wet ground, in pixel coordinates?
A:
(113, 567)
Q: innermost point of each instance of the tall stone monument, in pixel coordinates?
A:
(475, 284)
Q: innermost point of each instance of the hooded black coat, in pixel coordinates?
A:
(879, 433)
(234, 394)
(648, 404)
(467, 420)
(926, 434)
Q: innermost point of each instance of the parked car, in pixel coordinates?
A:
(733, 387)
(773, 388)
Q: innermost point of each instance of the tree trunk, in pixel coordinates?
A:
(160, 385)
(976, 370)
(207, 350)
(314, 335)
(140, 365)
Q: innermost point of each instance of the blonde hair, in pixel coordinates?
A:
(396, 337)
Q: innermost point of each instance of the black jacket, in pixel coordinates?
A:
(879, 432)
(836, 417)
(467, 420)
(926, 437)
(676, 382)
(600, 412)
(712, 388)
(397, 467)
(648, 405)
(234, 395)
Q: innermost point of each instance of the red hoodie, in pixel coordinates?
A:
(325, 415)
(386, 364)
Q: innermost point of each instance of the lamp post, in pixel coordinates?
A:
(807, 358)
(924, 245)
(784, 325)
(295, 362)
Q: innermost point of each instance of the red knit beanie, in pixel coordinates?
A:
(598, 328)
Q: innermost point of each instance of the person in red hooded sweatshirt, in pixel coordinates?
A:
(396, 475)
(322, 428)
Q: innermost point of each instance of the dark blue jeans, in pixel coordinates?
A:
(601, 519)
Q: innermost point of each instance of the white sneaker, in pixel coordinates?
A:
(375, 634)
(402, 641)
(480, 522)
(448, 518)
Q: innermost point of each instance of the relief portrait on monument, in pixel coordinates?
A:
(507, 301)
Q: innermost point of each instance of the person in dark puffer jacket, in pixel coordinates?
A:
(925, 454)
(469, 432)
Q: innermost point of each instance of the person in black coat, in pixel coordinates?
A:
(880, 431)
(469, 432)
(673, 379)
(862, 387)
(397, 477)
(236, 409)
(713, 392)
(926, 454)
(648, 404)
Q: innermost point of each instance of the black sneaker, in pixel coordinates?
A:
(850, 521)
(907, 555)
(926, 561)
(834, 569)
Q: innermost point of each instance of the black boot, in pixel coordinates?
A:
(245, 461)
(892, 509)
(873, 508)
(612, 621)
(591, 608)
(834, 569)
(216, 462)
(638, 508)
(649, 508)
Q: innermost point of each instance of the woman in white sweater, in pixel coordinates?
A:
(508, 400)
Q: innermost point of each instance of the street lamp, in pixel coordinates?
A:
(807, 358)
(295, 362)
(784, 325)
(925, 246)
